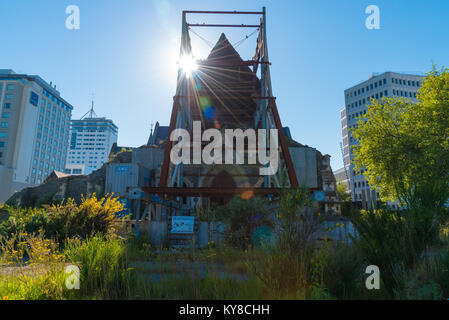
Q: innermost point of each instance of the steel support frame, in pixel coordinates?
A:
(266, 116)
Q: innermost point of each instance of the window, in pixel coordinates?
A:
(2, 144)
(5, 115)
(34, 99)
(8, 97)
(7, 106)
(385, 81)
(10, 87)
(2, 134)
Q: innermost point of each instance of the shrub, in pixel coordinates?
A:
(66, 220)
(297, 221)
(344, 275)
(38, 269)
(394, 241)
(242, 217)
(103, 264)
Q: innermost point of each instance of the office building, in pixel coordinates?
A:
(34, 131)
(357, 99)
(91, 140)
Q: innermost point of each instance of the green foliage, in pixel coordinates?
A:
(404, 147)
(242, 217)
(65, 220)
(394, 241)
(49, 286)
(342, 192)
(283, 275)
(297, 221)
(103, 264)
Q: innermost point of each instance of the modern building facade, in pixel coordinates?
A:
(91, 140)
(34, 131)
(76, 169)
(357, 100)
(342, 176)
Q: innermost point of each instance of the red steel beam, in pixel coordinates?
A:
(210, 192)
(168, 145)
(224, 25)
(223, 12)
(284, 145)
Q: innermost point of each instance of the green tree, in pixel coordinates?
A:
(404, 147)
(342, 192)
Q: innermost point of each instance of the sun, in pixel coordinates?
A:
(188, 65)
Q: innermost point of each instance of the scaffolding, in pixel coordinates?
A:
(266, 116)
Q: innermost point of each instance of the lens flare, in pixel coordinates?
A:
(188, 65)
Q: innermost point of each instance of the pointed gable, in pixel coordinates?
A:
(229, 85)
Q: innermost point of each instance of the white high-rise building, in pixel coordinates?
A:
(357, 99)
(34, 131)
(91, 140)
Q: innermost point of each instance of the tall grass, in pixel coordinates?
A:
(104, 266)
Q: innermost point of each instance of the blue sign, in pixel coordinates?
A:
(34, 99)
(122, 169)
(319, 196)
(182, 225)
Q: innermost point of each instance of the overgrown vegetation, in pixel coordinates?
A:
(242, 217)
(404, 151)
(62, 221)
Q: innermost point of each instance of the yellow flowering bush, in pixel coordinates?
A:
(65, 220)
(93, 215)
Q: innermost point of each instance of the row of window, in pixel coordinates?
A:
(369, 87)
(363, 101)
(358, 196)
(48, 165)
(56, 100)
(408, 94)
(355, 115)
(380, 83)
(403, 82)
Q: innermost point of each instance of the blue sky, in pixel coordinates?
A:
(126, 52)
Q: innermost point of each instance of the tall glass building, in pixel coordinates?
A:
(34, 131)
(91, 140)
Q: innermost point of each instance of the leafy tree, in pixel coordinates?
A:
(404, 147)
(342, 192)
(242, 217)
